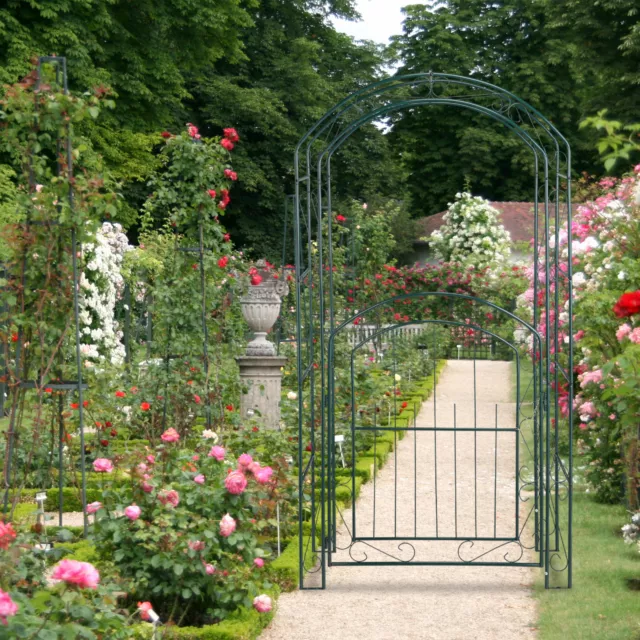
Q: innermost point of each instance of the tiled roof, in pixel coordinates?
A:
(517, 218)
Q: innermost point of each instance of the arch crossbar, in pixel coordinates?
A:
(322, 326)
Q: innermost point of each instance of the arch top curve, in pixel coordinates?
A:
(367, 99)
(437, 294)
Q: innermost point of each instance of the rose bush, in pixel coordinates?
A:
(471, 233)
(605, 242)
(71, 604)
(182, 531)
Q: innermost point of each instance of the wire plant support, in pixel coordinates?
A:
(535, 441)
(18, 377)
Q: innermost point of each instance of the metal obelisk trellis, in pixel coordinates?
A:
(64, 148)
(543, 482)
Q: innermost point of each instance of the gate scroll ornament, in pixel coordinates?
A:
(539, 437)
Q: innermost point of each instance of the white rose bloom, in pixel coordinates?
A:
(292, 395)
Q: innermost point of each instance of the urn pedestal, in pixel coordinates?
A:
(261, 378)
(260, 367)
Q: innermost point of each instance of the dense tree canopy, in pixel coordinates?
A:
(567, 58)
(271, 68)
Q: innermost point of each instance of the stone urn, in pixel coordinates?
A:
(261, 308)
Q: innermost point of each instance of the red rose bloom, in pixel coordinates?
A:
(227, 144)
(627, 305)
(120, 394)
(224, 199)
(231, 134)
(226, 237)
(232, 175)
(212, 193)
(340, 218)
(145, 406)
(165, 135)
(222, 263)
(256, 279)
(229, 407)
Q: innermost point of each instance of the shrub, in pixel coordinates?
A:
(189, 544)
(471, 233)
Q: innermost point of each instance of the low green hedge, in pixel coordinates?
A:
(285, 569)
(71, 498)
(83, 551)
(245, 624)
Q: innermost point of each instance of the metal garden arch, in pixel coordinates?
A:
(547, 486)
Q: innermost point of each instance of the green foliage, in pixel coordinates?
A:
(144, 53)
(297, 66)
(617, 142)
(567, 58)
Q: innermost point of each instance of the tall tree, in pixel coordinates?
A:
(296, 67)
(506, 42)
(141, 50)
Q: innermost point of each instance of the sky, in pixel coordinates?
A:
(381, 19)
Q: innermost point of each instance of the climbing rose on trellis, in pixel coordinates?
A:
(471, 233)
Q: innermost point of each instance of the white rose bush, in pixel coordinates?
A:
(471, 233)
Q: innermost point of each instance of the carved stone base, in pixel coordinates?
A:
(261, 376)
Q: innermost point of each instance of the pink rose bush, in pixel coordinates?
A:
(606, 330)
(186, 491)
(170, 435)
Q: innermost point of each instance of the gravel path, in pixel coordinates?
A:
(431, 602)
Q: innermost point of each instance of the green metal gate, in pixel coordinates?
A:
(526, 516)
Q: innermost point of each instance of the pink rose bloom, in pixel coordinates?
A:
(262, 603)
(264, 475)
(235, 482)
(170, 435)
(169, 497)
(210, 569)
(579, 335)
(103, 465)
(623, 332)
(612, 416)
(634, 336)
(259, 562)
(590, 376)
(217, 452)
(7, 607)
(588, 409)
(142, 467)
(199, 479)
(83, 574)
(196, 545)
(245, 460)
(254, 468)
(227, 526)
(133, 512)
(93, 507)
(195, 457)
(146, 487)
(151, 459)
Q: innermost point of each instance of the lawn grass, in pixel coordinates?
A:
(600, 605)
